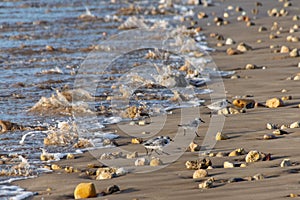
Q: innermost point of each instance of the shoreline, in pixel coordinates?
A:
(244, 130)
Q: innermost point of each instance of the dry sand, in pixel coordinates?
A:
(245, 130)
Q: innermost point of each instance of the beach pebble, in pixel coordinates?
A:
(136, 140)
(221, 136)
(285, 98)
(202, 15)
(271, 126)
(121, 171)
(221, 154)
(253, 156)
(132, 155)
(112, 189)
(194, 147)
(296, 18)
(262, 28)
(141, 162)
(229, 41)
(55, 167)
(104, 175)
(244, 103)
(49, 48)
(231, 51)
(155, 162)
(46, 157)
(70, 156)
(250, 66)
(279, 132)
(227, 164)
(207, 184)
(284, 49)
(85, 190)
(274, 103)
(70, 169)
(294, 53)
(269, 136)
(295, 124)
(142, 123)
(292, 195)
(258, 177)
(243, 47)
(198, 164)
(243, 165)
(285, 163)
(200, 173)
(237, 152)
(235, 76)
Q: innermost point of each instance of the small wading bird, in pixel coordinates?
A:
(192, 125)
(157, 143)
(218, 105)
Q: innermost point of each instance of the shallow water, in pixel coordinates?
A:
(25, 30)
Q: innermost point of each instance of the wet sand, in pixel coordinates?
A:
(244, 130)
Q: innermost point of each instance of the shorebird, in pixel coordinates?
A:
(218, 105)
(192, 125)
(157, 143)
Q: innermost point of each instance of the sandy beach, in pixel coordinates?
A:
(244, 130)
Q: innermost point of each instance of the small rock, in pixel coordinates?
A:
(55, 167)
(207, 184)
(284, 49)
(258, 177)
(231, 51)
(229, 41)
(136, 140)
(253, 156)
(274, 103)
(49, 48)
(269, 136)
(295, 124)
(237, 152)
(250, 66)
(235, 76)
(112, 189)
(198, 164)
(221, 136)
(294, 53)
(243, 165)
(244, 103)
(243, 47)
(121, 171)
(70, 156)
(155, 162)
(200, 173)
(141, 162)
(285, 98)
(194, 147)
(293, 195)
(85, 190)
(221, 154)
(271, 126)
(142, 123)
(227, 164)
(132, 155)
(285, 163)
(279, 132)
(262, 28)
(104, 175)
